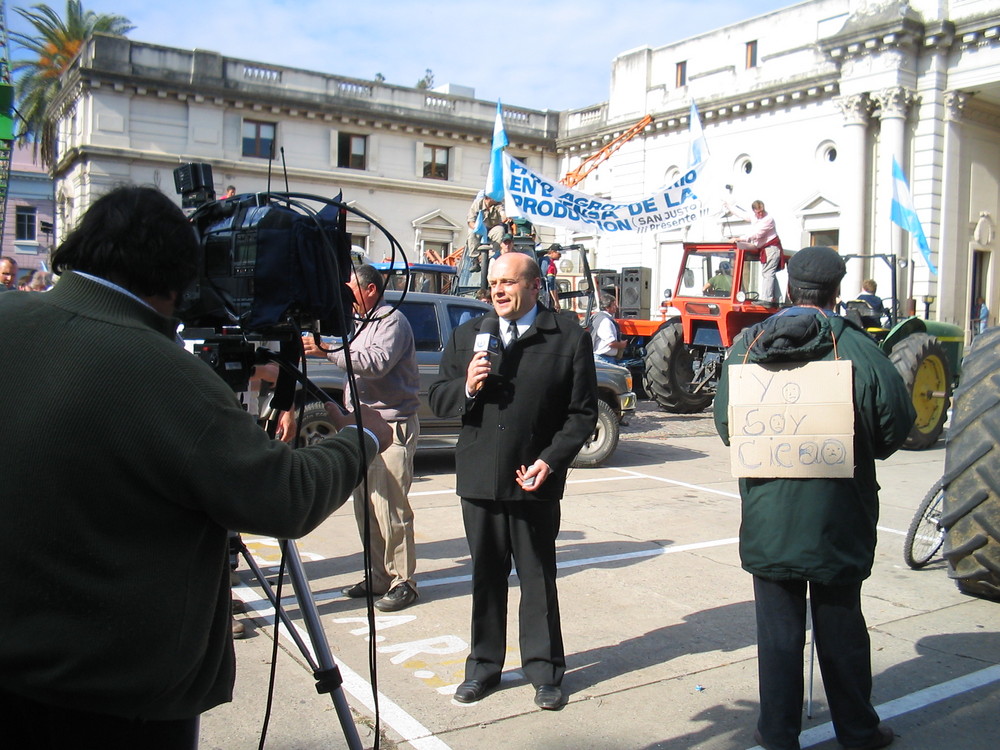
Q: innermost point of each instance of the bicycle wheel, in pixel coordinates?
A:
(925, 535)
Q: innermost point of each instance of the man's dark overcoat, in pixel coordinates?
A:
(541, 402)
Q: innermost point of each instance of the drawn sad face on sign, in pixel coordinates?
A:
(834, 452)
(791, 392)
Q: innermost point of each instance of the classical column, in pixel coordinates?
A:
(953, 251)
(894, 105)
(856, 110)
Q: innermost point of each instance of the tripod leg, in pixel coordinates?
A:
(325, 670)
(272, 597)
(328, 679)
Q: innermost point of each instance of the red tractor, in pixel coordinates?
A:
(717, 295)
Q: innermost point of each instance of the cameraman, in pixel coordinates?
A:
(121, 448)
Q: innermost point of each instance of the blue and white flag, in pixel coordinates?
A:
(699, 146)
(494, 178)
(548, 203)
(904, 215)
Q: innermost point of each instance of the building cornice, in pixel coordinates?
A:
(341, 178)
(865, 35)
(254, 87)
(888, 27)
(717, 110)
(978, 33)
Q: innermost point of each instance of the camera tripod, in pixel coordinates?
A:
(319, 657)
(324, 669)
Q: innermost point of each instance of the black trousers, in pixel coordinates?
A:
(842, 647)
(525, 531)
(29, 725)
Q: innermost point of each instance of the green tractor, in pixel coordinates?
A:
(926, 353)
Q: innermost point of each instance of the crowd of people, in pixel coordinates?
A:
(39, 281)
(193, 466)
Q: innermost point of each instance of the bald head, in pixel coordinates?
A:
(8, 272)
(515, 281)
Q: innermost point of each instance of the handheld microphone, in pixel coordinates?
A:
(488, 338)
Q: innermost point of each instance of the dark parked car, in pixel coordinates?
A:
(432, 317)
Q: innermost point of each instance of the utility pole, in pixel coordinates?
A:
(6, 118)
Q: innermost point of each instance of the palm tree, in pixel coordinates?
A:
(54, 44)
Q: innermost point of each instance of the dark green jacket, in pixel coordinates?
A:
(126, 459)
(819, 529)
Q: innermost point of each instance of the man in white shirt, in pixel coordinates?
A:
(762, 236)
(604, 330)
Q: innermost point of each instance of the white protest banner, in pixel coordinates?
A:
(792, 420)
(548, 203)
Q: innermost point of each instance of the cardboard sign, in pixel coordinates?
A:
(792, 420)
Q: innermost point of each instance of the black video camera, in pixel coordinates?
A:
(269, 263)
(270, 268)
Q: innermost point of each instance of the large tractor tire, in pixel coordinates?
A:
(972, 473)
(921, 361)
(670, 370)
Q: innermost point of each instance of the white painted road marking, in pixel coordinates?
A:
(421, 738)
(411, 730)
(911, 702)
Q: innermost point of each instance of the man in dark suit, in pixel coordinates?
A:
(524, 418)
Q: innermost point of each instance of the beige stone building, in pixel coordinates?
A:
(410, 159)
(804, 108)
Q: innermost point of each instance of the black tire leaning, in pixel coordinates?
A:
(604, 440)
(922, 363)
(925, 535)
(669, 371)
(972, 473)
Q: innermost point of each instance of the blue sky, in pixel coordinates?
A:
(547, 54)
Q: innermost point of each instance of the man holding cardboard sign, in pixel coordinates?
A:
(808, 402)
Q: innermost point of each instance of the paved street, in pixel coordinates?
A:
(657, 618)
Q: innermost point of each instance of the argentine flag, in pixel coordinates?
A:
(494, 178)
(904, 215)
(699, 146)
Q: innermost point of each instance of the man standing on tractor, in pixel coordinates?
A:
(762, 236)
(494, 221)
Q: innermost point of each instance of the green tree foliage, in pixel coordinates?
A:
(53, 45)
(427, 82)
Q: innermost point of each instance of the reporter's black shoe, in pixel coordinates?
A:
(471, 691)
(358, 591)
(399, 597)
(883, 737)
(550, 697)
